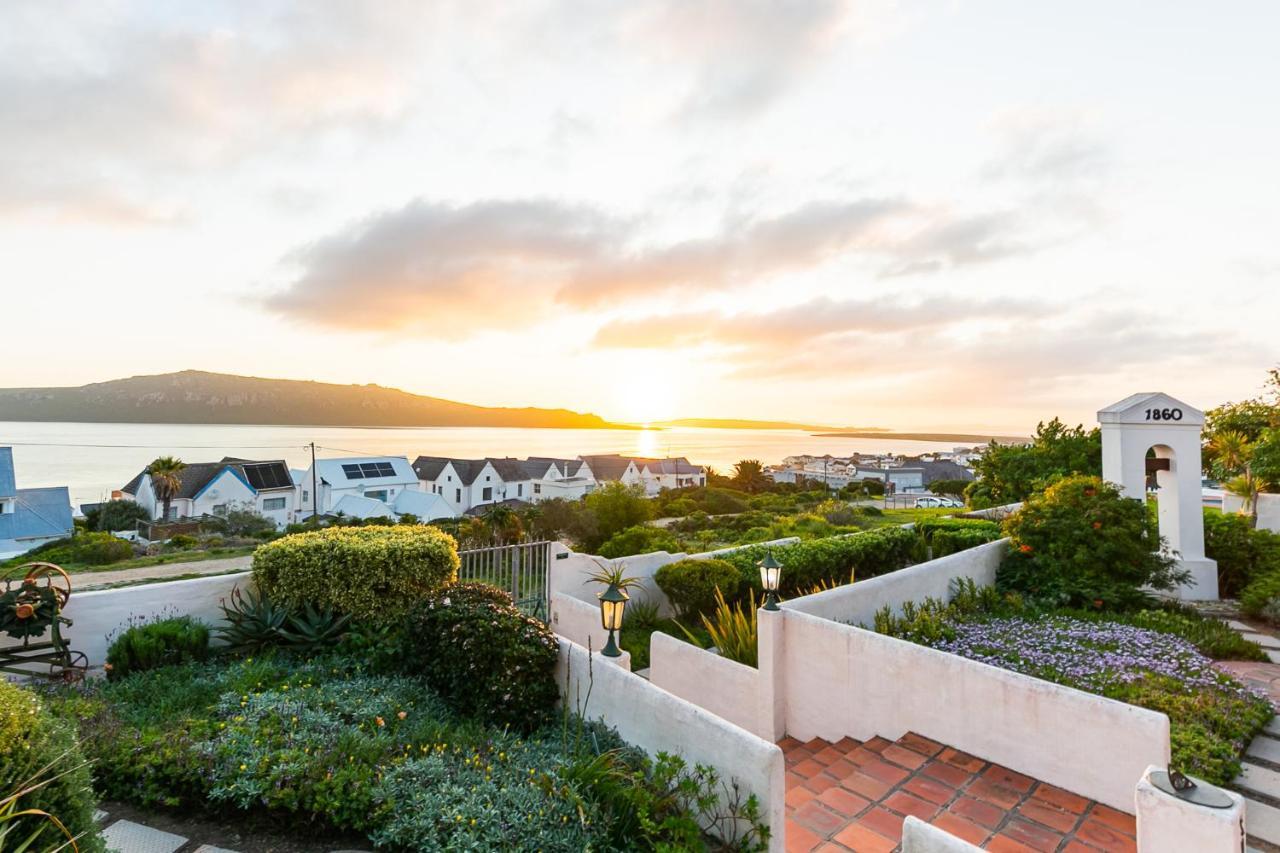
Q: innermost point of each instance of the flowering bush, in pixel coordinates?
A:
(1083, 544)
(371, 573)
(483, 656)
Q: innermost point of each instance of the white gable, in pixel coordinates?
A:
(1152, 408)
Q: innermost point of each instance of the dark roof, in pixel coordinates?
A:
(429, 467)
(677, 465)
(942, 470)
(566, 467)
(261, 476)
(508, 469)
(480, 509)
(607, 466)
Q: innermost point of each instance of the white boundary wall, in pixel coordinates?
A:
(857, 603)
(654, 720)
(839, 680)
(97, 614)
(724, 687)
(579, 622)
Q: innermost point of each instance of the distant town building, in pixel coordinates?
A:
(368, 487)
(653, 475)
(30, 517)
(214, 488)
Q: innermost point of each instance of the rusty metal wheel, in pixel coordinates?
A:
(55, 576)
(71, 672)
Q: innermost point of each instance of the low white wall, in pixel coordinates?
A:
(840, 680)
(857, 603)
(657, 721)
(1268, 509)
(96, 614)
(724, 687)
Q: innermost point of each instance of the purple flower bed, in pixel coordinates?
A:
(1092, 656)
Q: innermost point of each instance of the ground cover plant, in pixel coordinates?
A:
(324, 744)
(1157, 658)
(162, 642)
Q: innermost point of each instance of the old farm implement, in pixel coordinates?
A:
(30, 608)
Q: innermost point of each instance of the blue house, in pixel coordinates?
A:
(29, 517)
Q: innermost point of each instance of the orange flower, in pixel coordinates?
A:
(1097, 525)
(380, 721)
(1097, 602)
(402, 715)
(1026, 549)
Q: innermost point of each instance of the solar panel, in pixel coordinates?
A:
(368, 470)
(268, 476)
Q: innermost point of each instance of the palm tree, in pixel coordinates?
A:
(1233, 456)
(749, 476)
(166, 479)
(503, 522)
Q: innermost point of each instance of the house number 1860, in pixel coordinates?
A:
(1164, 414)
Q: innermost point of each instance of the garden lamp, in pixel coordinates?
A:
(612, 602)
(770, 574)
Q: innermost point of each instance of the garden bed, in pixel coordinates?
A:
(1160, 659)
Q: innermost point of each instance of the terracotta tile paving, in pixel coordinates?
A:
(854, 796)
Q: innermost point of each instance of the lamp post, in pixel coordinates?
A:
(612, 602)
(770, 574)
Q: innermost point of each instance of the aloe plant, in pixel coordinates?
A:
(733, 630)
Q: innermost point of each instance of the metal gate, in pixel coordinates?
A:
(519, 570)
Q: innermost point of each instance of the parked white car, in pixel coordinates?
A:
(933, 501)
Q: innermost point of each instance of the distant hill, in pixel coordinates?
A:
(740, 423)
(197, 397)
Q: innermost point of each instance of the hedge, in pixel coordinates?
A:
(373, 573)
(691, 585)
(1243, 553)
(165, 642)
(837, 559)
(32, 741)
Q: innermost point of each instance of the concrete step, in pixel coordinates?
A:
(1265, 748)
(1265, 640)
(125, 836)
(1273, 728)
(1261, 822)
(1237, 625)
(1272, 655)
(1254, 779)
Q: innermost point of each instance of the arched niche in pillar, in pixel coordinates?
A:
(1156, 423)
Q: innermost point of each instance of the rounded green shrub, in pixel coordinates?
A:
(483, 656)
(1242, 552)
(36, 746)
(1260, 592)
(181, 542)
(1081, 543)
(164, 642)
(691, 585)
(370, 573)
(640, 539)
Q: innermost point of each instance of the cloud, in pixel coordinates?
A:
(489, 261)
(104, 107)
(741, 54)
(1057, 147)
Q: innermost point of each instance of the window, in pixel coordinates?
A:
(368, 470)
(458, 498)
(6, 506)
(487, 494)
(520, 490)
(220, 509)
(537, 488)
(377, 494)
(306, 496)
(486, 478)
(271, 504)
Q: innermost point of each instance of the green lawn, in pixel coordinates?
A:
(8, 567)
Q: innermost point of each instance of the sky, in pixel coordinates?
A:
(951, 215)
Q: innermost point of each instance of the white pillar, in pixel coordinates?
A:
(771, 722)
(1157, 421)
(1168, 823)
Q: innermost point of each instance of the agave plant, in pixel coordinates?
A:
(314, 630)
(607, 575)
(253, 622)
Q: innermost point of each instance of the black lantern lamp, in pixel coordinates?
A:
(612, 602)
(770, 574)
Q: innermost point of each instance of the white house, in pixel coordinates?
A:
(569, 479)
(465, 484)
(214, 488)
(653, 475)
(357, 486)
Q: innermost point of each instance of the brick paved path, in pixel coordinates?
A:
(855, 796)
